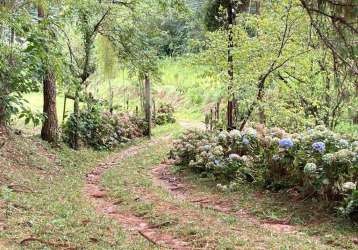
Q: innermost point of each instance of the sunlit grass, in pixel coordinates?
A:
(55, 210)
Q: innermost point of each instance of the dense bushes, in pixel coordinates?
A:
(102, 130)
(315, 162)
(165, 114)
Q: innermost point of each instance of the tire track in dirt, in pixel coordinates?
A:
(103, 205)
(163, 177)
(173, 184)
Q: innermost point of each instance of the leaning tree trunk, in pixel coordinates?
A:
(49, 130)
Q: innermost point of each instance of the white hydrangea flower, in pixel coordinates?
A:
(251, 133)
(328, 158)
(310, 168)
(348, 186)
(235, 134)
(223, 136)
(218, 150)
(235, 157)
(325, 181)
(342, 143)
(222, 187)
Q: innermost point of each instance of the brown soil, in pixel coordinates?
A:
(129, 221)
(175, 185)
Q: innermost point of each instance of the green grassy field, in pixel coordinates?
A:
(181, 84)
(175, 86)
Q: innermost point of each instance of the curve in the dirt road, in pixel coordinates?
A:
(98, 196)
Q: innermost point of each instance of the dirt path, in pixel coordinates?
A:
(135, 224)
(178, 188)
(179, 216)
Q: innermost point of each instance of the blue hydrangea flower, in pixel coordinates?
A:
(319, 147)
(245, 141)
(286, 143)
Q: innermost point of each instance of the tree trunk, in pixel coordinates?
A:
(49, 131)
(110, 91)
(154, 111)
(64, 110)
(355, 116)
(262, 115)
(2, 115)
(218, 110)
(355, 119)
(12, 36)
(230, 60)
(76, 112)
(148, 115)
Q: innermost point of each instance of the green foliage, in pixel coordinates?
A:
(213, 15)
(101, 130)
(307, 87)
(315, 162)
(28, 48)
(350, 205)
(16, 79)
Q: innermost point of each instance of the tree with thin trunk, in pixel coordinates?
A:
(148, 113)
(230, 61)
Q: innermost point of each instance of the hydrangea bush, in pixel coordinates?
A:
(102, 130)
(165, 114)
(317, 161)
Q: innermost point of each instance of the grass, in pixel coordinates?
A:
(312, 218)
(48, 201)
(42, 198)
(35, 103)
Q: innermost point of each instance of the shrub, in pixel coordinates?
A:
(317, 161)
(165, 114)
(102, 130)
(206, 152)
(350, 205)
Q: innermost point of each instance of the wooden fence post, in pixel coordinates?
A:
(207, 121)
(211, 120)
(64, 110)
(218, 110)
(154, 112)
(148, 115)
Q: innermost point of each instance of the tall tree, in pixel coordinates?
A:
(49, 131)
(214, 20)
(230, 60)
(90, 19)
